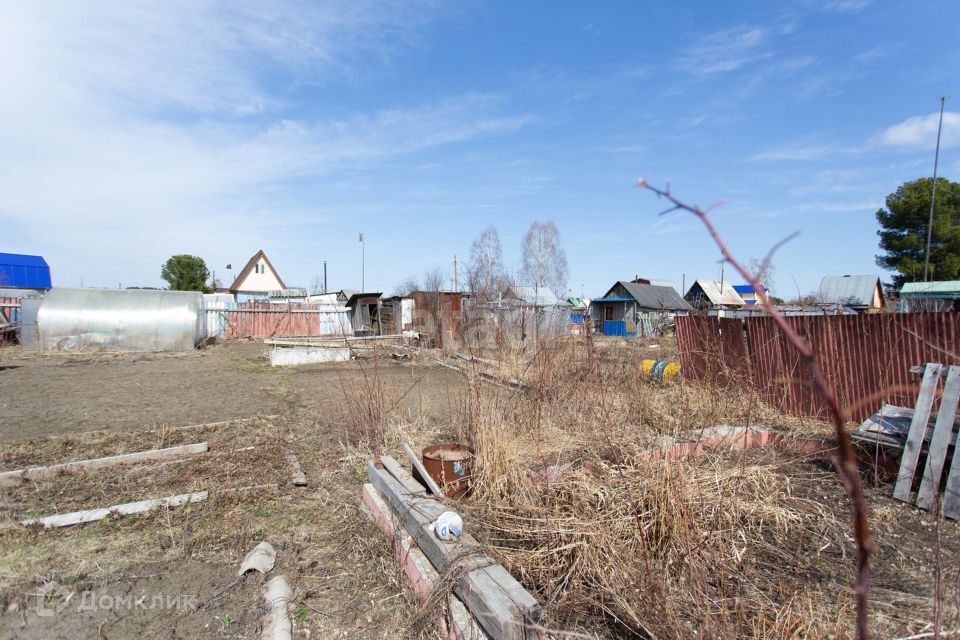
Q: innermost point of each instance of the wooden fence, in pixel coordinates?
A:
(867, 358)
(254, 320)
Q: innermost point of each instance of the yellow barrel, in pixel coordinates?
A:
(659, 370)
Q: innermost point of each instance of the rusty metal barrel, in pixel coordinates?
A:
(449, 465)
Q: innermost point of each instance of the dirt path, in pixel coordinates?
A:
(342, 587)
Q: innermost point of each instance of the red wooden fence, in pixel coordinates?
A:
(867, 358)
(256, 320)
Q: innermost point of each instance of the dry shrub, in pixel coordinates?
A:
(364, 411)
(615, 543)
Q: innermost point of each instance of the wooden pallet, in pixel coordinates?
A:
(939, 444)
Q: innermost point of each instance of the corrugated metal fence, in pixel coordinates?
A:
(867, 358)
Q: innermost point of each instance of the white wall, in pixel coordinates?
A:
(265, 281)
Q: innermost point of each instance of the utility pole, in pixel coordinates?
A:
(933, 195)
(456, 281)
(324, 276)
(363, 263)
(722, 264)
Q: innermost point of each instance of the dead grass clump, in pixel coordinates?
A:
(364, 413)
(668, 549)
(616, 543)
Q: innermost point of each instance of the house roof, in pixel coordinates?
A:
(361, 294)
(746, 288)
(249, 267)
(941, 289)
(650, 296)
(851, 291)
(24, 271)
(536, 296)
(712, 290)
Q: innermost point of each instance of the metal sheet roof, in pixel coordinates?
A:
(851, 291)
(658, 282)
(712, 290)
(651, 296)
(24, 271)
(536, 296)
(941, 289)
(746, 288)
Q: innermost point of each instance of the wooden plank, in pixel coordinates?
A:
(460, 625)
(91, 515)
(918, 430)
(951, 495)
(501, 605)
(296, 472)
(403, 476)
(11, 478)
(427, 478)
(940, 441)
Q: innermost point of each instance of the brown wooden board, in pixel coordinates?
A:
(918, 430)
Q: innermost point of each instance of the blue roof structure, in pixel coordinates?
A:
(24, 272)
(746, 288)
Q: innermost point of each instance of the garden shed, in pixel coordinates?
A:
(629, 309)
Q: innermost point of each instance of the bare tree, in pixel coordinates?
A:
(544, 261)
(845, 462)
(316, 285)
(763, 270)
(485, 273)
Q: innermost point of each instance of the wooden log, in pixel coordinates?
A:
(458, 623)
(402, 476)
(299, 479)
(418, 465)
(917, 433)
(92, 515)
(501, 605)
(940, 440)
(11, 478)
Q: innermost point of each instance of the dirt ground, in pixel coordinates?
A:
(173, 572)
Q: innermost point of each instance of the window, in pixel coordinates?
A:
(608, 312)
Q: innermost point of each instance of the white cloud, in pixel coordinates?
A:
(149, 127)
(806, 152)
(921, 131)
(726, 50)
(846, 6)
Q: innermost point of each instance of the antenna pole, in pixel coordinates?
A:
(933, 196)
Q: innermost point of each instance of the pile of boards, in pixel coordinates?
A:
(486, 601)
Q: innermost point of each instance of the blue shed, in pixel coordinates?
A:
(19, 271)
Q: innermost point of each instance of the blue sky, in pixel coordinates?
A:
(133, 131)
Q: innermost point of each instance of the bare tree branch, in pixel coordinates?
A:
(846, 462)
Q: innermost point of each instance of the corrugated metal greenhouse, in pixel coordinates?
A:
(129, 320)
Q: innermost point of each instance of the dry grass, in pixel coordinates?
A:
(614, 544)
